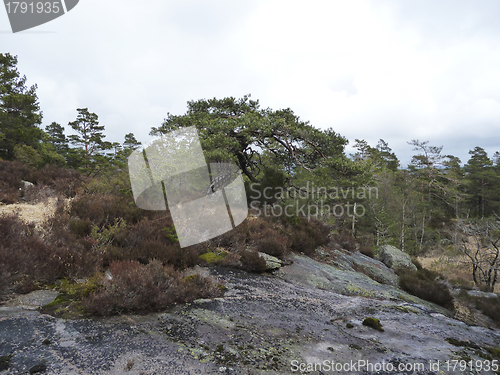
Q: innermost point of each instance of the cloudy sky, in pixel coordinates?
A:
(396, 70)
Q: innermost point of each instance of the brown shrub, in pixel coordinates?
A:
(424, 284)
(105, 209)
(307, 235)
(153, 239)
(28, 260)
(252, 261)
(63, 181)
(272, 243)
(138, 288)
(79, 227)
(11, 175)
(346, 240)
(4, 281)
(49, 181)
(367, 250)
(417, 263)
(489, 307)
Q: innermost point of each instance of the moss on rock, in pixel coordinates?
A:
(373, 323)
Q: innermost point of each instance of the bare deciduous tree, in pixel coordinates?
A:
(480, 243)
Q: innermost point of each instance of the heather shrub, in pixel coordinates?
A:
(272, 243)
(423, 283)
(11, 175)
(49, 181)
(252, 261)
(63, 181)
(103, 210)
(4, 281)
(80, 227)
(146, 240)
(489, 307)
(416, 262)
(367, 250)
(29, 260)
(272, 246)
(307, 235)
(134, 287)
(346, 240)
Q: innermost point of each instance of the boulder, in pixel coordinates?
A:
(478, 293)
(272, 263)
(27, 184)
(372, 268)
(394, 258)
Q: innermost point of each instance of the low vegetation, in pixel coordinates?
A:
(425, 284)
(129, 286)
(130, 257)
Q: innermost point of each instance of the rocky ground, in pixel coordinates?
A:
(308, 312)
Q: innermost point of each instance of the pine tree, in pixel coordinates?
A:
(482, 183)
(90, 136)
(20, 114)
(57, 138)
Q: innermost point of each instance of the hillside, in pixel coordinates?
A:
(310, 310)
(262, 323)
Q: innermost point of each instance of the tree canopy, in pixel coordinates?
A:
(20, 114)
(239, 130)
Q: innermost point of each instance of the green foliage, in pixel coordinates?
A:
(379, 157)
(213, 258)
(234, 129)
(482, 184)
(105, 235)
(37, 159)
(90, 137)
(57, 138)
(495, 352)
(51, 157)
(130, 144)
(464, 343)
(5, 362)
(20, 114)
(27, 155)
(170, 234)
(268, 190)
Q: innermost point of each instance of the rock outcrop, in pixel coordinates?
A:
(305, 313)
(272, 263)
(394, 258)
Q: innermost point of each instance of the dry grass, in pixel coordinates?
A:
(37, 214)
(452, 267)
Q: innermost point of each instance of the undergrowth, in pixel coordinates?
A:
(425, 284)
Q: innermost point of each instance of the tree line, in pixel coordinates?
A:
(23, 139)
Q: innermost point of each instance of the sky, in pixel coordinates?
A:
(385, 69)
